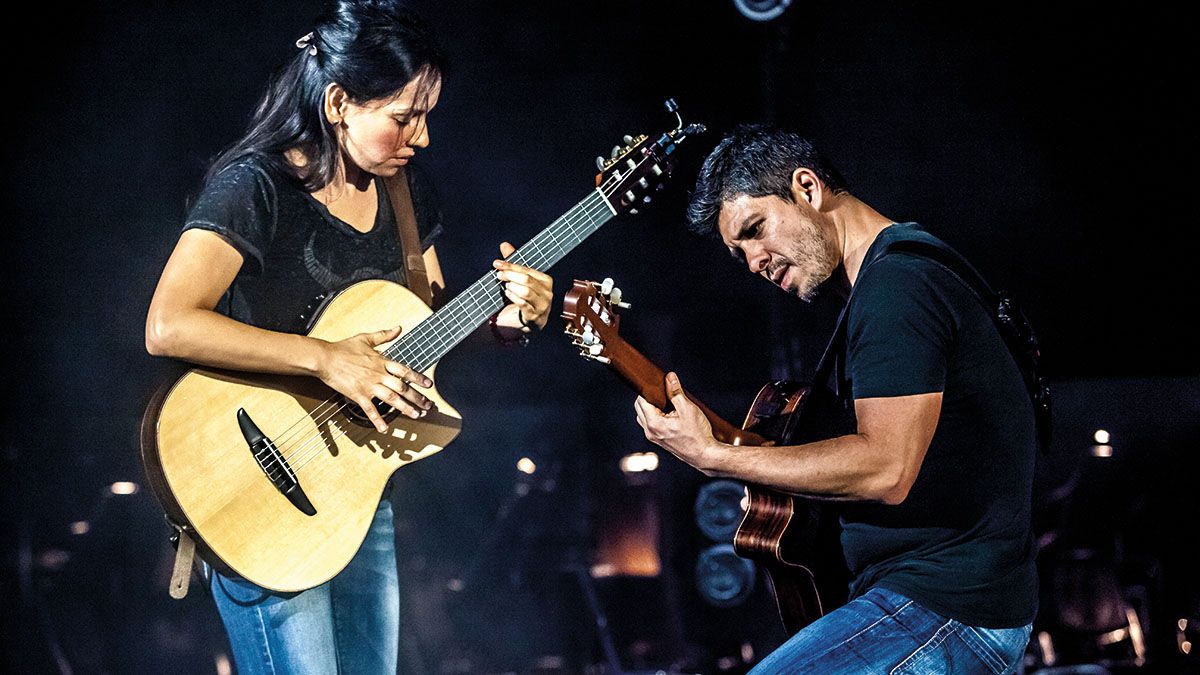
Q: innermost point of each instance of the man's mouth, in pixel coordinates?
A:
(778, 273)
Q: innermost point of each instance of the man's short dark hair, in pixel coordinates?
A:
(755, 160)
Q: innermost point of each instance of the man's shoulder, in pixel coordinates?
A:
(907, 248)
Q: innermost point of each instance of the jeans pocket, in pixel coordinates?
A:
(1000, 648)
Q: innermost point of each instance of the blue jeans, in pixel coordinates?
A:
(885, 632)
(349, 624)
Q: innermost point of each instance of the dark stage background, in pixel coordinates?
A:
(1052, 146)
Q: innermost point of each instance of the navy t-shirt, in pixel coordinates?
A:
(960, 543)
(293, 248)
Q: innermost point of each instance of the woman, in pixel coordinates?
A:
(295, 210)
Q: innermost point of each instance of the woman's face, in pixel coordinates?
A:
(379, 136)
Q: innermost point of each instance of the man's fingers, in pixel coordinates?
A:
(675, 390)
(506, 249)
(639, 409)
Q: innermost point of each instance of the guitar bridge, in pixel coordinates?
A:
(274, 465)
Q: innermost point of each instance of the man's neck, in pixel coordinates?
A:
(857, 225)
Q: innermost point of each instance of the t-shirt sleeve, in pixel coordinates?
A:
(239, 205)
(426, 206)
(900, 329)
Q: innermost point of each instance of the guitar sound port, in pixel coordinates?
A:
(355, 414)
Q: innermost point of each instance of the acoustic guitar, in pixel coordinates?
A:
(793, 539)
(276, 478)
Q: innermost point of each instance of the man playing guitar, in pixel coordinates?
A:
(935, 483)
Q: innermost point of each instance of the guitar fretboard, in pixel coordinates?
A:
(431, 339)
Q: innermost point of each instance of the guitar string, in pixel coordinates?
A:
(462, 308)
(461, 304)
(463, 301)
(319, 448)
(425, 355)
(427, 349)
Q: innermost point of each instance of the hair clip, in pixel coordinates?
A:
(306, 41)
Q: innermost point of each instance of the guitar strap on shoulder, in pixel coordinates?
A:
(1011, 323)
(415, 276)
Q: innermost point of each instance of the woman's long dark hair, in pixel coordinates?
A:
(372, 48)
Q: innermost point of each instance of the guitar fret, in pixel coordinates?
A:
(431, 339)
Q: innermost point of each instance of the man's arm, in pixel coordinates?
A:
(878, 463)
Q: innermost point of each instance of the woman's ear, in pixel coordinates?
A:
(335, 103)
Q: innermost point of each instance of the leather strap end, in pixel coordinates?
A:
(181, 575)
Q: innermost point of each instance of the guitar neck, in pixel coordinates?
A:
(427, 342)
(649, 382)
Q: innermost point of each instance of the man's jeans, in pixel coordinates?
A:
(885, 632)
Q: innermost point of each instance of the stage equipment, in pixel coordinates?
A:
(761, 10)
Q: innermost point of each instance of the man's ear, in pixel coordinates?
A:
(336, 100)
(806, 187)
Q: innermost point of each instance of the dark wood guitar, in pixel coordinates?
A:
(793, 539)
(277, 478)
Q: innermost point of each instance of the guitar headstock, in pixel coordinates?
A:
(640, 168)
(590, 312)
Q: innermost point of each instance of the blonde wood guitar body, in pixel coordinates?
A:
(209, 482)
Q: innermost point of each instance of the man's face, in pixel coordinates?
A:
(789, 244)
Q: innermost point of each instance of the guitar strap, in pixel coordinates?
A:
(181, 574)
(1011, 323)
(415, 276)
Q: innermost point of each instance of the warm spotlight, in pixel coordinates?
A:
(123, 488)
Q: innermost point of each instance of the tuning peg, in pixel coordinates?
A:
(606, 286)
(616, 151)
(615, 299)
(600, 162)
(596, 349)
(601, 359)
(627, 139)
(646, 199)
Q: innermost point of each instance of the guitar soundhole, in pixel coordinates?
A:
(356, 415)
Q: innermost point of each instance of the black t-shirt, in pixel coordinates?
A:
(961, 542)
(293, 248)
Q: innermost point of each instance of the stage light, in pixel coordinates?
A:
(123, 488)
(1101, 437)
(639, 461)
(526, 465)
(603, 570)
(723, 578)
(720, 505)
(761, 10)
(80, 527)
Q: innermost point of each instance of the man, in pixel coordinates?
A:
(936, 480)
